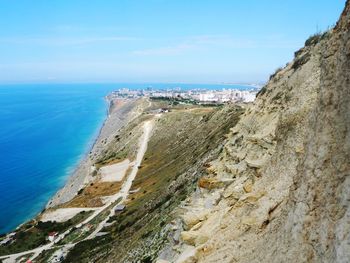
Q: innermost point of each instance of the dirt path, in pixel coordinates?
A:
(124, 192)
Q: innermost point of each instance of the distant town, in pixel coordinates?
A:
(223, 95)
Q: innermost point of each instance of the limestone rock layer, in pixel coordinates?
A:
(285, 168)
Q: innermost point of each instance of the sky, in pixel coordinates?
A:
(182, 41)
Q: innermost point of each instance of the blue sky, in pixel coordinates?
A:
(194, 41)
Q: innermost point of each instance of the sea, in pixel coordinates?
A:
(45, 130)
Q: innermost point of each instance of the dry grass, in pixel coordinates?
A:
(179, 141)
(91, 195)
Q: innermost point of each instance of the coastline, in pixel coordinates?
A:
(118, 113)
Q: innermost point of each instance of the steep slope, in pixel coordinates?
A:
(181, 142)
(279, 192)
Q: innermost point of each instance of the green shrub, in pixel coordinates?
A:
(276, 72)
(313, 39)
(301, 60)
(316, 38)
(261, 91)
(29, 238)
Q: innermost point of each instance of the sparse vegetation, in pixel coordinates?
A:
(275, 73)
(261, 91)
(45, 255)
(183, 101)
(278, 96)
(27, 238)
(170, 167)
(91, 195)
(317, 37)
(303, 55)
(175, 101)
(301, 60)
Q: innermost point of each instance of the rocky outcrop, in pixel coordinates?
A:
(285, 166)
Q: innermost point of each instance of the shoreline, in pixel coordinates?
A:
(72, 173)
(117, 115)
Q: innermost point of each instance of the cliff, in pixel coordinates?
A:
(279, 192)
(265, 182)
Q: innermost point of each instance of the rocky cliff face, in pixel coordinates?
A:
(280, 190)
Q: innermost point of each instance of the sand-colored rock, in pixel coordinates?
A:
(187, 256)
(248, 186)
(288, 157)
(210, 183)
(194, 238)
(194, 217)
(189, 237)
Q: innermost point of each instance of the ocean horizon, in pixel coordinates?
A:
(46, 130)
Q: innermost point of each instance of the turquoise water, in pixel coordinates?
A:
(45, 131)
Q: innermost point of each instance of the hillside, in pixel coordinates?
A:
(181, 143)
(279, 192)
(261, 182)
(145, 161)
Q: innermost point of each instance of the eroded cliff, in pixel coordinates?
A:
(280, 190)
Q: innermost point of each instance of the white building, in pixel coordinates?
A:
(207, 97)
